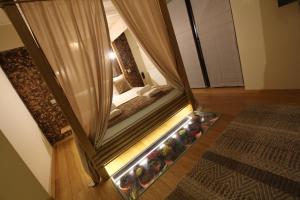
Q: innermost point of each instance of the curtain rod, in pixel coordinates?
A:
(13, 2)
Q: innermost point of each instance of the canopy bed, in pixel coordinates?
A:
(70, 44)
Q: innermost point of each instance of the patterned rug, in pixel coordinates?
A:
(256, 157)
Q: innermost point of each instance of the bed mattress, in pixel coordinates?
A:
(126, 96)
(116, 128)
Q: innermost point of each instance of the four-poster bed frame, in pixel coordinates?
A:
(111, 149)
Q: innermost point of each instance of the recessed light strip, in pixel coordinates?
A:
(140, 161)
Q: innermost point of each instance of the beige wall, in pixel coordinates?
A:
(23, 133)
(156, 77)
(153, 76)
(17, 181)
(269, 43)
(117, 29)
(16, 122)
(9, 38)
(135, 49)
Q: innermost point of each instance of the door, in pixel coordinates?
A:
(186, 42)
(215, 26)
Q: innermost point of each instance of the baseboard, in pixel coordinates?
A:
(52, 179)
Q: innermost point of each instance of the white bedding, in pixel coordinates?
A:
(119, 99)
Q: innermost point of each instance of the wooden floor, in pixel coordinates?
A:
(71, 182)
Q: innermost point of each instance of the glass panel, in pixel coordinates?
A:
(133, 179)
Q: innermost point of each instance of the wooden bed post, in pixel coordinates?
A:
(44, 67)
(103, 173)
(179, 62)
(100, 157)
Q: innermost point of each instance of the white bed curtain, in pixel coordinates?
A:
(74, 37)
(145, 20)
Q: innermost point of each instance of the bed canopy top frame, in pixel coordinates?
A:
(100, 157)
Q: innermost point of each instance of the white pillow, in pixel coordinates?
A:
(114, 113)
(118, 77)
(152, 92)
(113, 106)
(115, 91)
(143, 90)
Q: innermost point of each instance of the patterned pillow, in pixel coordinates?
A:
(121, 84)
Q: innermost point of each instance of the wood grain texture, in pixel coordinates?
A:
(71, 181)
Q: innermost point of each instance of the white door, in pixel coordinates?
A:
(217, 36)
(185, 40)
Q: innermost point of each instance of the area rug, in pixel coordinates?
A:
(256, 157)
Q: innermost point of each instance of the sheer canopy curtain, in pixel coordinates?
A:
(145, 20)
(74, 37)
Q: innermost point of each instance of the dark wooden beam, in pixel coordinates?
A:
(136, 131)
(46, 70)
(12, 2)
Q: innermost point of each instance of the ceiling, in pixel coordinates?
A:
(110, 10)
(3, 18)
(112, 14)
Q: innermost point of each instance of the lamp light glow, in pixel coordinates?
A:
(144, 162)
(112, 55)
(74, 45)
